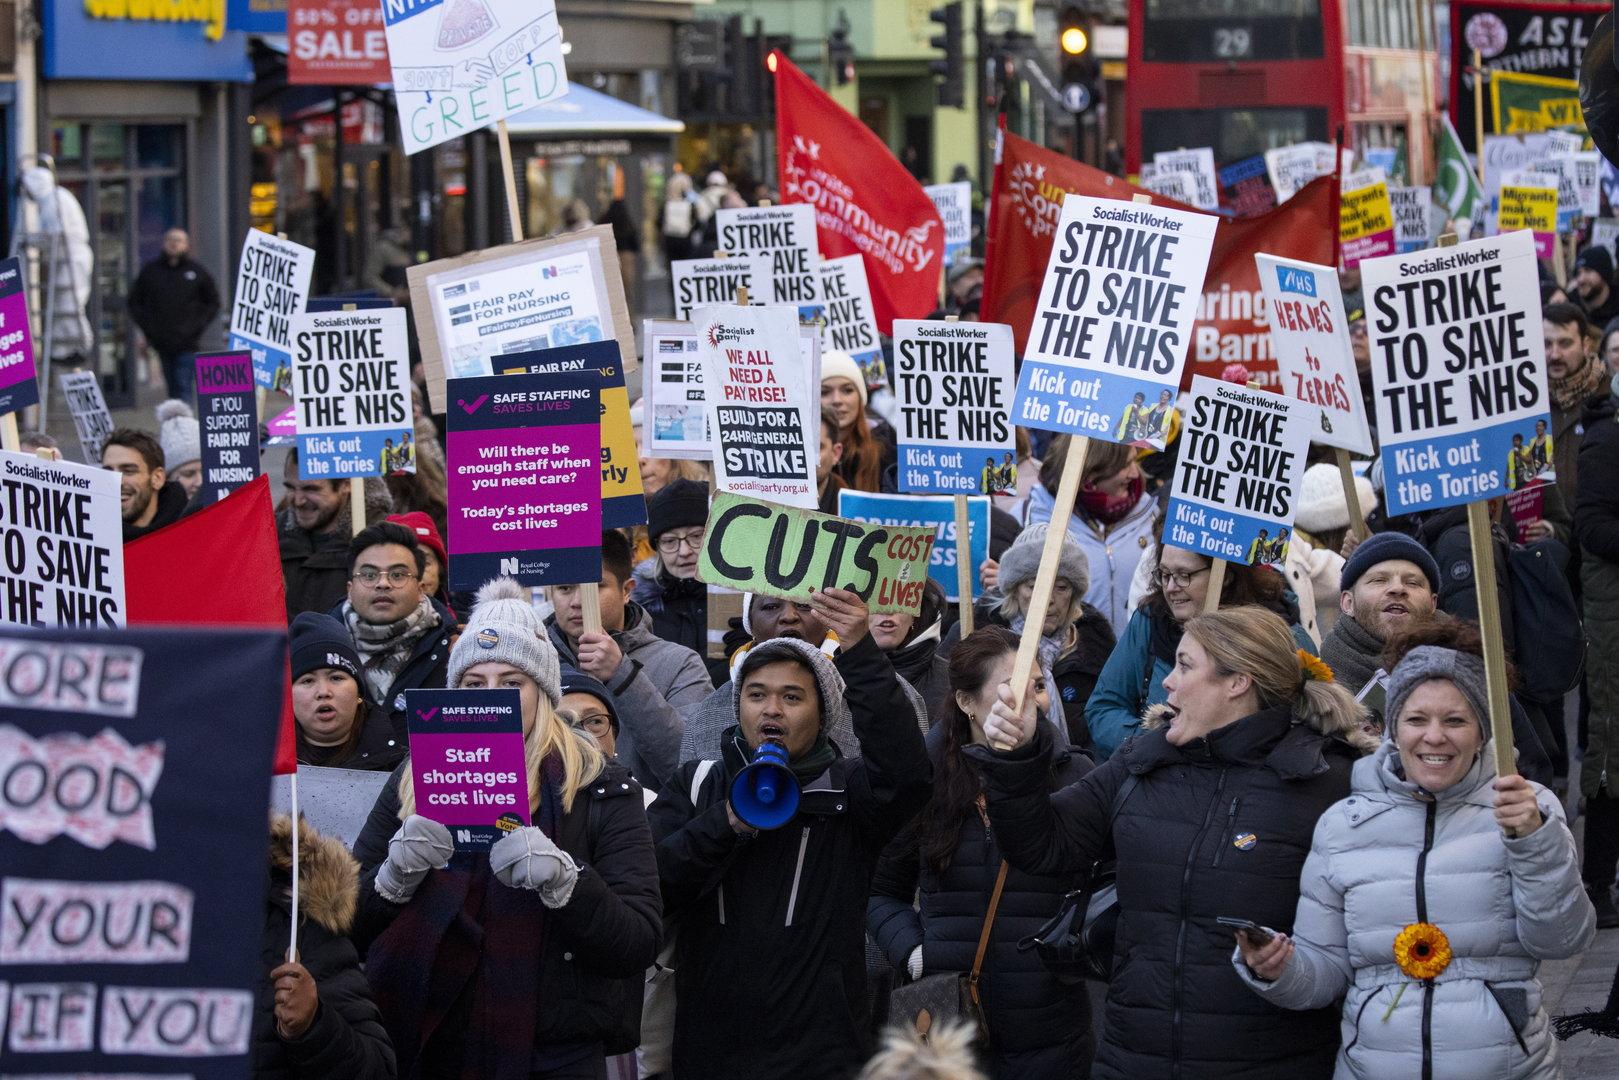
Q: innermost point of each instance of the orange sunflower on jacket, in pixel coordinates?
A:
(1422, 951)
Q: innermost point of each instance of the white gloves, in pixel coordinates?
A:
(420, 845)
(528, 859)
(913, 964)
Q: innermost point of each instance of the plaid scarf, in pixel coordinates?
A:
(385, 648)
(468, 950)
(1574, 389)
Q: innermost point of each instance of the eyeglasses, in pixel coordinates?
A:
(1178, 579)
(396, 575)
(595, 722)
(669, 543)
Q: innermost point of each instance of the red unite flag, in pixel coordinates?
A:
(866, 202)
(1026, 202)
(220, 566)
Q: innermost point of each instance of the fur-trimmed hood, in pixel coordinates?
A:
(328, 876)
(1157, 716)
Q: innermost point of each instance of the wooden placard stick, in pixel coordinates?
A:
(1346, 473)
(964, 553)
(10, 439)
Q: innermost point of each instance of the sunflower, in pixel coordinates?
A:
(1311, 667)
(1422, 950)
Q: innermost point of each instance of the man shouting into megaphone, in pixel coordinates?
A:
(769, 898)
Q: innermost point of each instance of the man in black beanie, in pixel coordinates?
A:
(666, 585)
(1592, 285)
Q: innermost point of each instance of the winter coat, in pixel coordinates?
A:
(1390, 855)
(920, 664)
(1038, 1027)
(1133, 679)
(1596, 526)
(678, 607)
(597, 946)
(314, 566)
(1219, 826)
(652, 683)
(1111, 551)
(427, 668)
(346, 1041)
(770, 966)
(171, 505)
(379, 748)
(173, 303)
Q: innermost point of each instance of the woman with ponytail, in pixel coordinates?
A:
(524, 961)
(1209, 813)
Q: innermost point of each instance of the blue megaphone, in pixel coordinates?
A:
(765, 794)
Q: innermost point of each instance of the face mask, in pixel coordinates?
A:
(1109, 511)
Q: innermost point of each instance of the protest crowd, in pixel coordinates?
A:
(894, 678)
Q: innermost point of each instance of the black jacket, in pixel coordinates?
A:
(314, 566)
(599, 944)
(346, 1041)
(173, 303)
(171, 504)
(1219, 826)
(427, 668)
(770, 966)
(920, 664)
(1039, 1029)
(379, 749)
(678, 606)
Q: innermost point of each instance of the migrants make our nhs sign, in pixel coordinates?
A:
(461, 65)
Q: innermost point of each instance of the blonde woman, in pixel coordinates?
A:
(1209, 813)
(526, 961)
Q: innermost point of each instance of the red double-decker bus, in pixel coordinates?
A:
(1246, 76)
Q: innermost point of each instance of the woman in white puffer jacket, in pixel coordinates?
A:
(1417, 909)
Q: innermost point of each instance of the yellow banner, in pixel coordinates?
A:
(1529, 208)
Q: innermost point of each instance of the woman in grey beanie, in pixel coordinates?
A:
(1416, 907)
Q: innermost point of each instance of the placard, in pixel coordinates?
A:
(1115, 314)
(63, 539)
(534, 294)
(1310, 332)
(1507, 153)
(1587, 182)
(19, 383)
(466, 762)
(785, 235)
(698, 282)
(132, 938)
(937, 512)
(954, 201)
(335, 801)
(1245, 189)
(773, 550)
(91, 418)
(229, 419)
(351, 393)
(1458, 367)
(756, 403)
(953, 386)
(1291, 167)
(462, 65)
(272, 285)
(850, 324)
(1238, 475)
(1529, 201)
(1365, 217)
(1412, 207)
(623, 499)
(523, 459)
(1198, 167)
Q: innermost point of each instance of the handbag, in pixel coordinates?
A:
(952, 995)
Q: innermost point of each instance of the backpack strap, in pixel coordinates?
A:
(983, 935)
(700, 774)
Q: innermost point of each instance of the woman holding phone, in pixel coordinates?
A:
(1208, 812)
(1433, 892)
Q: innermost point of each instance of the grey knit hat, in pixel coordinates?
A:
(178, 433)
(1425, 662)
(504, 628)
(828, 681)
(1021, 561)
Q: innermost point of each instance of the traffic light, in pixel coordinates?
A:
(840, 53)
(952, 90)
(1076, 59)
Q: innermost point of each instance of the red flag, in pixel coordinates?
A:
(866, 203)
(218, 567)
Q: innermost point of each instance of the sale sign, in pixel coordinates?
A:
(336, 43)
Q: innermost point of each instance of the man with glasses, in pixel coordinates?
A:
(401, 634)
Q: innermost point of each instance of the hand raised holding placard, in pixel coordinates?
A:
(844, 613)
(1008, 726)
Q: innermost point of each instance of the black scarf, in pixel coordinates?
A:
(1165, 635)
(807, 767)
(1353, 653)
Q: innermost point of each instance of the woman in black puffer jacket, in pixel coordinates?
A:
(1039, 1028)
(1209, 815)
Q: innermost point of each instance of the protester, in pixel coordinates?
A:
(651, 679)
(685, 218)
(337, 726)
(1415, 904)
(1576, 380)
(1322, 523)
(770, 940)
(827, 481)
(313, 529)
(1389, 584)
(1112, 520)
(1596, 522)
(146, 499)
(947, 859)
(944, 1053)
(1608, 350)
(32, 442)
(1593, 285)
(181, 439)
(401, 634)
(173, 301)
(588, 706)
(1136, 673)
(666, 586)
(868, 446)
(436, 567)
(1208, 812)
(525, 961)
(313, 1017)
(911, 643)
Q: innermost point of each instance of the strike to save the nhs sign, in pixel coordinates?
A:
(1459, 371)
(460, 65)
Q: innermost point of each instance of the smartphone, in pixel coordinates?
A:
(1259, 935)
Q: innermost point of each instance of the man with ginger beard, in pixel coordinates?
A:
(313, 531)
